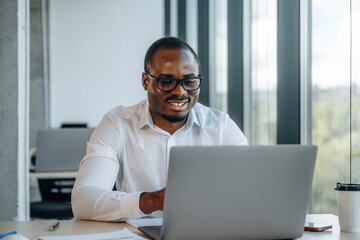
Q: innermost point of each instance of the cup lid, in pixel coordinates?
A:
(342, 186)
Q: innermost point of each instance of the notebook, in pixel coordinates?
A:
(237, 192)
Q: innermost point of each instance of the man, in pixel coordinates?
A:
(131, 144)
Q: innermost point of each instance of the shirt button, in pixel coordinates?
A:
(170, 141)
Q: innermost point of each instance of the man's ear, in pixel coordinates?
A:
(145, 81)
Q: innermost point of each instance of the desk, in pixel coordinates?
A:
(33, 229)
(334, 234)
(53, 175)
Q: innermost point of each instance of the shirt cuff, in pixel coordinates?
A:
(131, 201)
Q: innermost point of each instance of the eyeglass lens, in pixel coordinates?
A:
(189, 84)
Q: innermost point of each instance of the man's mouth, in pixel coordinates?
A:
(178, 105)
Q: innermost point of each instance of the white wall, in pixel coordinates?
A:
(97, 50)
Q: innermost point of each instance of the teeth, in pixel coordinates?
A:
(177, 104)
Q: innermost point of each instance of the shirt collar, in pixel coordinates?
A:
(145, 116)
(146, 119)
(193, 117)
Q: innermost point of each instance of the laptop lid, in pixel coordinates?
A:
(61, 149)
(238, 192)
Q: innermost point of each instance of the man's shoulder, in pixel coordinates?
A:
(202, 109)
(206, 115)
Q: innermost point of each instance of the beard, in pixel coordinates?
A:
(159, 109)
(176, 118)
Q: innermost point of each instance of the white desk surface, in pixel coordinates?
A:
(34, 229)
(53, 175)
(333, 234)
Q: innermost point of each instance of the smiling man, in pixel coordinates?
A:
(175, 90)
(131, 145)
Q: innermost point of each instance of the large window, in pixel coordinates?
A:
(330, 97)
(263, 71)
(330, 49)
(218, 54)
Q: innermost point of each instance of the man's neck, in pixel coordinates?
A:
(168, 126)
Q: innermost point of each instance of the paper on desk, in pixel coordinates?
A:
(116, 235)
(145, 222)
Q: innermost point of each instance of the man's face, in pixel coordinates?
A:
(173, 106)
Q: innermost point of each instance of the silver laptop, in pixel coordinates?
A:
(61, 149)
(237, 192)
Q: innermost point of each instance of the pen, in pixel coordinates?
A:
(54, 226)
(6, 234)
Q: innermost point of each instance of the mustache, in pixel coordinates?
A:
(177, 98)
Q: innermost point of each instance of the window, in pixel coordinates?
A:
(218, 54)
(330, 98)
(263, 71)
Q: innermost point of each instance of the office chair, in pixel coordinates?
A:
(56, 199)
(57, 150)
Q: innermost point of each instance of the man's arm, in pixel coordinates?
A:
(93, 198)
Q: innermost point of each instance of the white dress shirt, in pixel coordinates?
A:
(128, 148)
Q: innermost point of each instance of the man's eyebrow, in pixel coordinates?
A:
(189, 75)
(166, 75)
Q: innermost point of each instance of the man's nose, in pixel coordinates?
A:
(179, 90)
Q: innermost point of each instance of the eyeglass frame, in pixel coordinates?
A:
(178, 81)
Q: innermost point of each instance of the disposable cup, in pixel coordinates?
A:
(348, 202)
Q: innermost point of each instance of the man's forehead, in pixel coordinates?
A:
(169, 53)
(168, 57)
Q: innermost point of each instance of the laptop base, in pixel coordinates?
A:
(152, 231)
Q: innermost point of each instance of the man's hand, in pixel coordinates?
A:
(152, 201)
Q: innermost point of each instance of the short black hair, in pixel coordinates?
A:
(167, 43)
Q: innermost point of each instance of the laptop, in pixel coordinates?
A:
(61, 149)
(236, 192)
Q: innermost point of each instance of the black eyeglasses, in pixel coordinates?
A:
(169, 84)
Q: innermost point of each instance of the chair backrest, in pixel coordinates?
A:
(56, 200)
